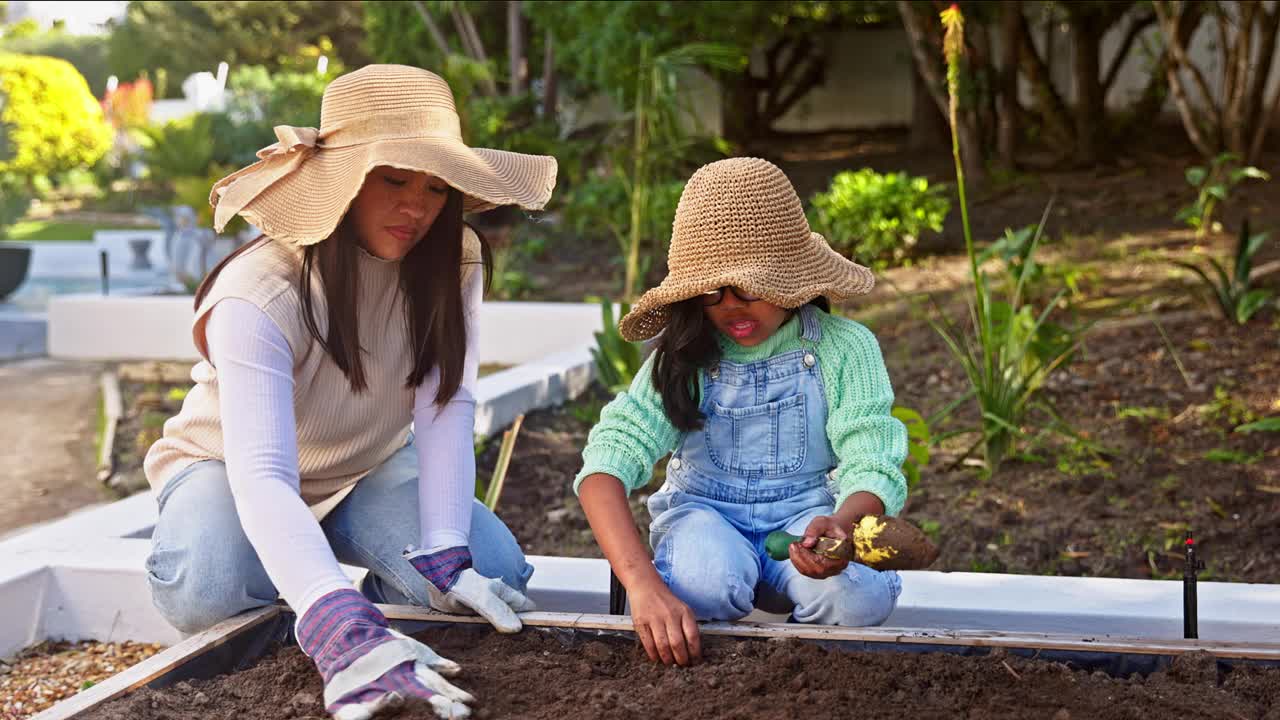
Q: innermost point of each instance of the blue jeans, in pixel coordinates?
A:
(203, 570)
(713, 560)
(760, 463)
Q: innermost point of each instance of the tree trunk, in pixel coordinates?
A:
(1171, 19)
(1255, 114)
(549, 84)
(437, 36)
(1010, 27)
(927, 53)
(740, 121)
(1090, 109)
(1037, 70)
(516, 50)
(1146, 110)
(928, 126)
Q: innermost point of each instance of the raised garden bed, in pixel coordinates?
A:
(580, 666)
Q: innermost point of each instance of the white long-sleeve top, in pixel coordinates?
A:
(254, 363)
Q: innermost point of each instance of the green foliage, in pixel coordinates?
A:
(509, 281)
(15, 199)
(1268, 424)
(88, 53)
(877, 219)
(597, 41)
(180, 148)
(258, 100)
(1213, 186)
(1225, 409)
(1236, 297)
(617, 360)
(1142, 413)
(1232, 457)
(49, 121)
(193, 191)
(186, 37)
(918, 441)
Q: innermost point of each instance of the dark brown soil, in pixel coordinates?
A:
(541, 676)
(537, 500)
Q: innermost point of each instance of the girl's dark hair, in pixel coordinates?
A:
(430, 279)
(687, 345)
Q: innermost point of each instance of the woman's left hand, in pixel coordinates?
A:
(810, 563)
(456, 587)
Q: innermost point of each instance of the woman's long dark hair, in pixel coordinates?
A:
(687, 345)
(430, 279)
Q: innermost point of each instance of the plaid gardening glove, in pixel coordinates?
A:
(368, 667)
(456, 587)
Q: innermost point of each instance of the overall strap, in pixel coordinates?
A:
(811, 325)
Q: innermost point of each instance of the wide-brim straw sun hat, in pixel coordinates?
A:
(740, 222)
(392, 115)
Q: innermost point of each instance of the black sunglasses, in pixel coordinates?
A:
(713, 297)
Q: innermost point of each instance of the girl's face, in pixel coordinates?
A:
(749, 322)
(394, 210)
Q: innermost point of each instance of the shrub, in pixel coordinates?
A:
(876, 219)
(49, 121)
(180, 148)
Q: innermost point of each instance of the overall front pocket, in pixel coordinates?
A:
(768, 439)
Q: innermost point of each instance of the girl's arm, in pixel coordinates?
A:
(869, 442)
(666, 626)
(255, 400)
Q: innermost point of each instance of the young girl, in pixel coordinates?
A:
(353, 316)
(777, 415)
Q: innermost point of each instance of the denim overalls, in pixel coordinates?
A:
(759, 464)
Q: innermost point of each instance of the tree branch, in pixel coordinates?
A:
(919, 50)
(466, 28)
(1052, 107)
(813, 76)
(1179, 52)
(437, 37)
(1122, 53)
(1259, 116)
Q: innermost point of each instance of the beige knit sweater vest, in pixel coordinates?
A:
(342, 435)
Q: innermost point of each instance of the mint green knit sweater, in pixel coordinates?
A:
(869, 443)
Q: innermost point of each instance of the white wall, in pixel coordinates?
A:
(869, 79)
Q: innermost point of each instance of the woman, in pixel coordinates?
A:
(352, 316)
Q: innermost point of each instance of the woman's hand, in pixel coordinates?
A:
(455, 587)
(666, 627)
(811, 564)
(368, 667)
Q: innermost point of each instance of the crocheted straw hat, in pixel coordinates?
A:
(739, 222)
(378, 115)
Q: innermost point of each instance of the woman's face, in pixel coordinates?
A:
(748, 322)
(394, 210)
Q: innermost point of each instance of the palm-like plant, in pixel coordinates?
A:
(1235, 295)
(1012, 350)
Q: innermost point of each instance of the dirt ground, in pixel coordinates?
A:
(538, 675)
(47, 451)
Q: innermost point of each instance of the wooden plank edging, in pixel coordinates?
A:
(975, 638)
(160, 663)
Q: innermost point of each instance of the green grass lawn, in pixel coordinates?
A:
(29, 230)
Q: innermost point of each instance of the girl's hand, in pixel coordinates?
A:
(811, 564)
(666, 627)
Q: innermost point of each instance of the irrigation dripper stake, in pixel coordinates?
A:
(102, 267)
(1191, 567)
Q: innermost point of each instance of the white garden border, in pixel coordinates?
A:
(83, 577)
(547, 345)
